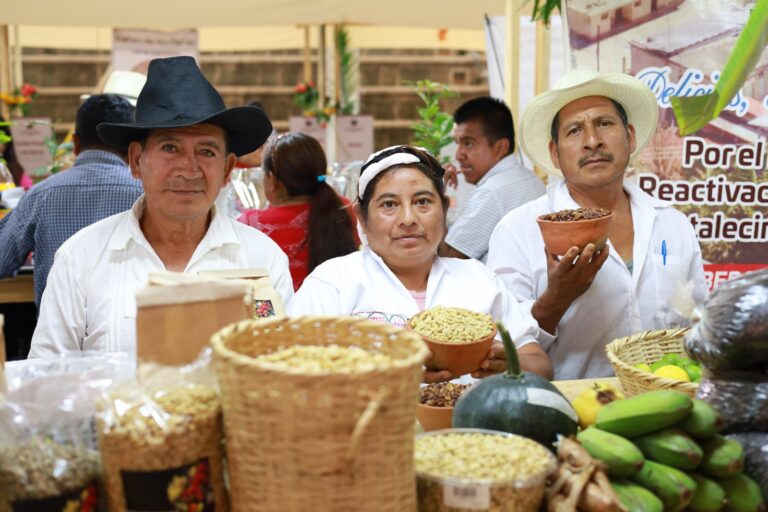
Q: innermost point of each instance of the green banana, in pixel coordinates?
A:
(636, 498)
(620, 456)
(722, 457)
(703, 422)
(675, 488)
(709, 497)
(671, 447)
(643, 414)
(742, 494)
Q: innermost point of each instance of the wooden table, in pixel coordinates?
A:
(17, 289)
(572, 388)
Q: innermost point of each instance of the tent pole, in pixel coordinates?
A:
(321, 67)
(336, 66)
(512, 47)
(307, 56)
(541, 83)
(543, 52)
(18, 72)
(5, 69)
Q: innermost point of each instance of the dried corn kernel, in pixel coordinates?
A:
(452, 325)
(324, 358)
(148, 422)
(480, 456)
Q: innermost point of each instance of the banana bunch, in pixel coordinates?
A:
(663, 452)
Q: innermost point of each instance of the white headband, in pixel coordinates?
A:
(375, 169)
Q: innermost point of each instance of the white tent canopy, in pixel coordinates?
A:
(174, 14)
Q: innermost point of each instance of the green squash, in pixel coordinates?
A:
(517, 402)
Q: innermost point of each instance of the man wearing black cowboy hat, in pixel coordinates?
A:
(182, 146)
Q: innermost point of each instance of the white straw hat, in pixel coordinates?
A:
(127, 84)
(635, 96)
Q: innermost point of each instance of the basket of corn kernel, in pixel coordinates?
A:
(480, 470)
(458, 338)
(319, 413)
(160, 439)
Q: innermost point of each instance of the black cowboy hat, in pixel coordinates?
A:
(177, 95)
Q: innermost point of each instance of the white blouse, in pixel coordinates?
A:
(361, 284)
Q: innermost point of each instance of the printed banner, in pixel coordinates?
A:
(308, 126)
(132, 49)
(34, 140)
(716, 176)
(354, 138)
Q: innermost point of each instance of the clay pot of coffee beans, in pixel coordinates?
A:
(435, 408)
(568, 228)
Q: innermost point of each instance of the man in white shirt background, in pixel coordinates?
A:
(587, 128)
(485, 136)
(182, 145)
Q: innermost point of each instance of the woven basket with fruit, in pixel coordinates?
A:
(653, 360)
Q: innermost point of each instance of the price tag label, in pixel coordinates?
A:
(470, 496)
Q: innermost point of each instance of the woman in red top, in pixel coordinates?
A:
(306, 217)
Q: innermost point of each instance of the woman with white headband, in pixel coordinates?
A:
(401, 209)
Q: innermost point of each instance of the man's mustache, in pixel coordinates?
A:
(602, 156)
(187, 185)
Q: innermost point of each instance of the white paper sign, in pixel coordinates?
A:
(308, 126)
(132, 49)
(354, 138)
(469, 496)
(30, 139)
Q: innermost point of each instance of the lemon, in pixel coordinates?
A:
(644, 367)
(673, 372)
(671, 358)
(694, 373)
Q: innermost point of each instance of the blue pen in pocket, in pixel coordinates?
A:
(664, 252)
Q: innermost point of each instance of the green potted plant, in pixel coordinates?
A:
(434, 130)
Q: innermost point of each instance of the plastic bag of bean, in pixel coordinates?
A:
(160, 437)
(741, 404)
(755, 456)
(731, 334)
(49, 457)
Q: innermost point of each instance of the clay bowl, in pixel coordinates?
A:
(559, 236)
(434, 418)
(458, 358)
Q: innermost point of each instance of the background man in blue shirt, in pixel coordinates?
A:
(98, 185)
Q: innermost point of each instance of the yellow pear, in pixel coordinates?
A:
(589, 402)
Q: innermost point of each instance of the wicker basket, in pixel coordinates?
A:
(332, 441)
(647, 347)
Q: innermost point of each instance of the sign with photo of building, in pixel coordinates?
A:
(716, 176)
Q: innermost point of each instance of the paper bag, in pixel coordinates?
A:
(178, 313)
(264, 300)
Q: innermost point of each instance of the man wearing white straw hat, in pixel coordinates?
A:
(586, 129)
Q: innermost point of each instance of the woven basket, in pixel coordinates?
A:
(336, 441)
(647, 347)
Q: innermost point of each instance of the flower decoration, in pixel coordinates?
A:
(88, 501)
(307, 97)
(19, 101)
(191, 492)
